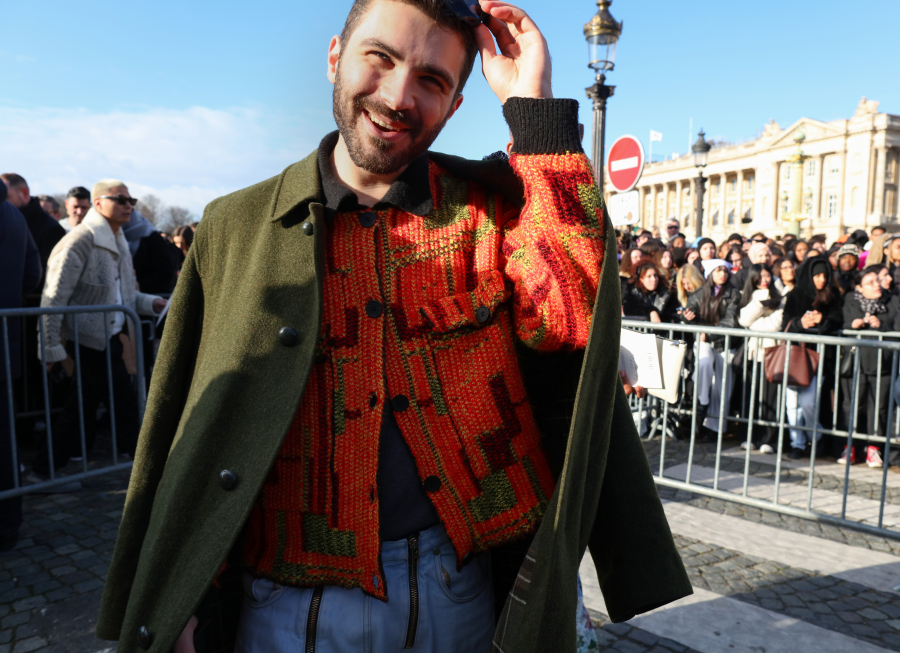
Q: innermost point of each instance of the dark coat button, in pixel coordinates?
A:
(288, 336)
(227, 479)
(400, 403)
(373, 400)
(144, 638)
(368, 219)
(309, 228)
(483, 314)
(374, 308)
(432, 484)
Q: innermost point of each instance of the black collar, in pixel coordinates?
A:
(411, 192)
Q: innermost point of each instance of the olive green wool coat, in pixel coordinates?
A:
(225, 390)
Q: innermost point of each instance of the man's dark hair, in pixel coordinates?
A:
(51, 199)
(13, 180)
(438, 11)
(79, 193)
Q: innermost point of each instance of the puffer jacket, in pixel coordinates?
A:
(82, 271)
(756, 317)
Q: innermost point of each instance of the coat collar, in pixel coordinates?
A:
(103, 233)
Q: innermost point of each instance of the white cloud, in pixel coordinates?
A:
(186, 157)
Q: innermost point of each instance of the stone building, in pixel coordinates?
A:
(850, 180)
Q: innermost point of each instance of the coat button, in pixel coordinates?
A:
(374, 308)
(227, 479)
(400, 403)
(309, 228)
(368, 219)
(144, 638)
(483, 314)
(432, 484)
(288, 336)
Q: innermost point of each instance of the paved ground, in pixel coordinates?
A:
(836, 598)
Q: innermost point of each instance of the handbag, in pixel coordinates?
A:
(804, 363)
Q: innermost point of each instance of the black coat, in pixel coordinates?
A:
(45, 231)
(728, 314)
(638, 304)
(20, 273)
(868, 357)
(156, 264)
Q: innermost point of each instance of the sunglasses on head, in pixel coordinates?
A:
(472, 14)
(120, 199)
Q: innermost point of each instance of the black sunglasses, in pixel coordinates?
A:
(472, 14)
(120, 199)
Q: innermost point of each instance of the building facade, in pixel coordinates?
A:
(850, 180)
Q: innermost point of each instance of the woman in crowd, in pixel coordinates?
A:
(715, 304)
(797, 251)
(761, 309)
(687, 281)
(667, 267)
(736, 257)
(646, 296)
(183, 238)
(693, 258)
(814, 308)
(867, 308)
(626, 266)
(785, 272)
(707, 249)
(888, 289)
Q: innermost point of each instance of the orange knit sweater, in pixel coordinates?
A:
(432, 305)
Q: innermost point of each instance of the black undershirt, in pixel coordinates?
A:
(404, 506)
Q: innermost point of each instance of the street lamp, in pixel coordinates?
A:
(602, 34)
(701, 153)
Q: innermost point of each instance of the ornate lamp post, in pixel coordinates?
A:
(602, 35)
(701, 153)
(795, 213)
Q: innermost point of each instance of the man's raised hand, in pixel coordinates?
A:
(522, 68)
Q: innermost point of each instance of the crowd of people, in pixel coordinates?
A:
(100, 250)
(763, 284)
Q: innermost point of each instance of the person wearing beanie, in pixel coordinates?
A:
(714, 304)
(848, 264)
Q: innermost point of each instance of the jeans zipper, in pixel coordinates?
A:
(413, 591)
(312, 620)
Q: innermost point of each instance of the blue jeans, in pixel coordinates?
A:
(452, 610)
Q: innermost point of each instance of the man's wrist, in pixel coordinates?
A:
(543, 125)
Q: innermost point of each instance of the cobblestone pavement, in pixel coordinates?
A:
(50, 585)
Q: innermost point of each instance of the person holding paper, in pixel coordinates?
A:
(715, 304)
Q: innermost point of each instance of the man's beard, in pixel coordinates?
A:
(375, 155)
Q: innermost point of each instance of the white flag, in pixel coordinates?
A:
(655, 136)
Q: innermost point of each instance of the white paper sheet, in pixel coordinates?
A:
(639, 356)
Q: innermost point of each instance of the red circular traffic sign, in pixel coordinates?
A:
(625, 163)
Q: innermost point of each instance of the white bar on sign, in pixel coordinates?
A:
(623, 164)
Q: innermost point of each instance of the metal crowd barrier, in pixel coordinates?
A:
(89, 469)
(859, 498)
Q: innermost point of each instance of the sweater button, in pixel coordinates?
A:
(308, 228)
(432, 484)
(288, 336)
(144, 638)
(368, 219)
(374, 308)
(227, 479)
(483, 314)
(400, 403)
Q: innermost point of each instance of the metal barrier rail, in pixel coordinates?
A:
(752, 489)
(139, 380)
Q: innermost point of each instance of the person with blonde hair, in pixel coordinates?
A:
(687, 281)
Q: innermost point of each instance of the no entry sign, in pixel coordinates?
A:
(625, 163)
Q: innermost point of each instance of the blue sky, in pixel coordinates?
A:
(194, 100)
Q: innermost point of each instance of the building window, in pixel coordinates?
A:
(731, 216)
(734, 185)
(750, 183)
(835, 166)
(748, 215)
(687, 219)
(832, 205)
(787, 168)
(715, 219)
(811, 168)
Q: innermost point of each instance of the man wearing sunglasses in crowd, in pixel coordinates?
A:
(360, 414)
(92, 265)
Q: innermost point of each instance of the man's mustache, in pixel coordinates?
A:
(366, 103)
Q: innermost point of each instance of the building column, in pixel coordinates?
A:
(679, 187)
(723, 203)
(878, 200)
(739, 206)
(653, 200)
(817, 194)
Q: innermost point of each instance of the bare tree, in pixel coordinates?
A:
(152, 208)
(175, 216)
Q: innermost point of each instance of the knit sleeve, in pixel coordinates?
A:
(553, 249)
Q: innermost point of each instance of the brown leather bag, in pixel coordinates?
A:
(804, 363)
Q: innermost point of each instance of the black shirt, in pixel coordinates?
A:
(404, 506)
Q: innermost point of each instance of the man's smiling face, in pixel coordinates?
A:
(396, 82)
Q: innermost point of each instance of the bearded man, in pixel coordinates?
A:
(363, 431)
